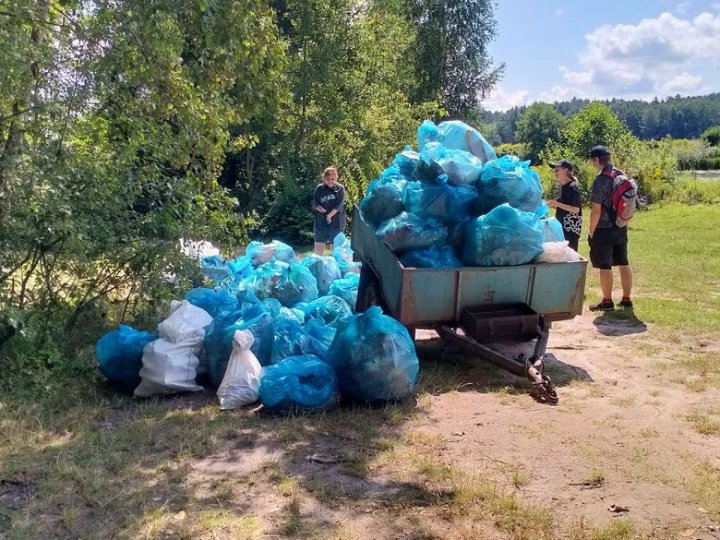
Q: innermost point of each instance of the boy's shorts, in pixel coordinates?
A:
(608, 248)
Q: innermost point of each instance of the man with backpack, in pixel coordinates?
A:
(613, 199)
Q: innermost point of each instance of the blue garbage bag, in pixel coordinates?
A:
(456, 232)
(324, 268)
(319, 338)
(552, 230)
(219, 303)
(295, 313)
(443, 202)
(455, 135)
(460, 167)
(384, 197)
(374, 358)
(343, 253)
(272, 306)
(408, 231)
(347, 288)
(119, 355)
(299, 382)
(503, 237)
(218, 347)
(290, 338)
(509, 180)
(458, 135)
(262, 327)
(432, 257)
(296, 284)
(407, 162)
(214, 267)
(261, 282)
(328, 309)
(259, 253)
(240, 266)
(542, 211)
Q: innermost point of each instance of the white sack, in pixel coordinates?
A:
(241, 383)
(557, 252)
(169, 367)
(185, 323)
(170, 363)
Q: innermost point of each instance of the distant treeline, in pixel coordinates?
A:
(678, 117)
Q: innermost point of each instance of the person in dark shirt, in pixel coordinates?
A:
(568, 206)
(329, 209)
(608, 242)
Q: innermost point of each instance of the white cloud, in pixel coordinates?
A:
(682, 7)
(652, 57)
(680, 84)
(502, 100)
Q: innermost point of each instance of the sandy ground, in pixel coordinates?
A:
(618, 445)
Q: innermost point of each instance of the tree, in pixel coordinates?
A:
(350, 73)
(593, 125)
(451, 56)
(116, 115)
(712, 136)
(540, 125)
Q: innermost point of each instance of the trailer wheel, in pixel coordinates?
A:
(369, 291)
(372, 295)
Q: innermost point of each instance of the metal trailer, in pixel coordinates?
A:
(471, 306)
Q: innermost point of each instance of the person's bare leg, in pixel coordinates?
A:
(626, 280)
(319, 248)
(606, 283)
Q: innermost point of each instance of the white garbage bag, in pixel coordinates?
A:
(241, 383)
(185, 322)
(170, 363)
(197, 250)
(557, 252)
(168, 368)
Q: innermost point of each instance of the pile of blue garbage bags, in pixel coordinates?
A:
(453, 202)
(272, 326)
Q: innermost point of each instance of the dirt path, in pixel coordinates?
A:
(620, 438)
(619, 446)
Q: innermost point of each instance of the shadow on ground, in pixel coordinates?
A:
(87, 462)
(619, 323)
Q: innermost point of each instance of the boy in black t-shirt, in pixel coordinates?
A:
(568, 206)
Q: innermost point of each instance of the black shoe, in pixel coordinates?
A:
(626, 304)
(603, 306)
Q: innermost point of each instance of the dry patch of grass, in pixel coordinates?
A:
(620, 529)
(705, 487)
(705, 422)
(596, 478)
(698, 371)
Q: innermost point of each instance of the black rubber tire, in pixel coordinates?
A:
(369, 292)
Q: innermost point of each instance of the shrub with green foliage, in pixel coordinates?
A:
(115, 122)
(653, 163)
(711, 136)
(517, 149)
(540, 125)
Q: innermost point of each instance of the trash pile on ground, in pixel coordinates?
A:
(454, 203)
(273, 327)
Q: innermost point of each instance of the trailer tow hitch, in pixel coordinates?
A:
(535, 370)
(535, 367)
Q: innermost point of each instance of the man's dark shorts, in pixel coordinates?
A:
(608, 248)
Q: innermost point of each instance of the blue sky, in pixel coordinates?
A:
(555, 50)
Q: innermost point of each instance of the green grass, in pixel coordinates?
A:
(675, 256)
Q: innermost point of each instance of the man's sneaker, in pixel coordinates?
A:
(605, 305)
(625, 303)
